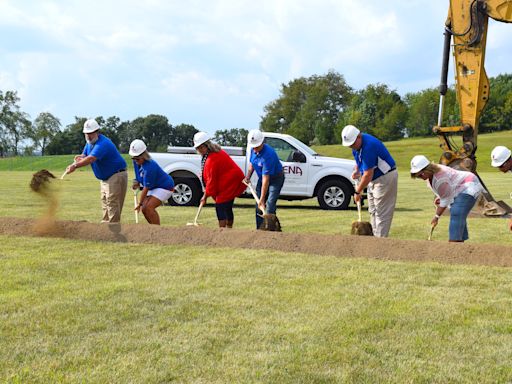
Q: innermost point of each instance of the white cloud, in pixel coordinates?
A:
(136, 56)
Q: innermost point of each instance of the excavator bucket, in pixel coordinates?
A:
(490, 207)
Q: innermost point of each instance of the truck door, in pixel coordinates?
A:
(295, 166)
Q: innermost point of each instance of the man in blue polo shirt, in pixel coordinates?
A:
(265, 162)
(108, 166)
(377, 170)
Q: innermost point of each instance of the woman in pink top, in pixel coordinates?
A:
(458, 190)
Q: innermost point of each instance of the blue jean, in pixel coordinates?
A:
(459, 211)
(274, 189)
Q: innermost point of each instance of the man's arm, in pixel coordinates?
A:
(363, 183)
(83, 162)
(250, 171)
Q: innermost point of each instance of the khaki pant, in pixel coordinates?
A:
(381, 202)
(113, 192)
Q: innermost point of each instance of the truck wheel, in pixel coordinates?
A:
(187, 192)
(334, 195)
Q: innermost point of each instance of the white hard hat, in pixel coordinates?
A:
(418, 163)
(349, 135)
(255, 138)
(499, 155)
(137, 148)
(200, 138)
(91, 126)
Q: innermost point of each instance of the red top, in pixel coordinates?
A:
(222, 177)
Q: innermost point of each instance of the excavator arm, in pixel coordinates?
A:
(466, 32)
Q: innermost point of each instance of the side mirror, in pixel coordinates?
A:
(298, 157)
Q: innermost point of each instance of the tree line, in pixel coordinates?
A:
(313, 109)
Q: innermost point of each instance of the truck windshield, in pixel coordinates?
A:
(303, 147)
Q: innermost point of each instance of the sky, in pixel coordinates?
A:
(215, 64)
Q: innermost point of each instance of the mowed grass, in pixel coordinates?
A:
(75, 311)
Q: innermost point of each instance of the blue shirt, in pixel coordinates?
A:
(373, 154)
(266, 162)
(108, 159)
(151, 176)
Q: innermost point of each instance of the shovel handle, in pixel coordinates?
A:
(254, 194)
(431, 231)
(135, 204)
(359, 202)
(66, 171)
(198, 212)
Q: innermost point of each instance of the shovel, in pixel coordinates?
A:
(270, 220)
(359, 227)
(256, 198)
(195, 223)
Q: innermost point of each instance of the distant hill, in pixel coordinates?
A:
(404, 150)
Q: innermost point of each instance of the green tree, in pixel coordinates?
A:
(15, 125)
(424, 110)
(183, 135)
(69, 141)
(309, 108)
(235, 137)
(46, 126)
(376, 110)
(154, 130)
(496, 115)
(110, 128)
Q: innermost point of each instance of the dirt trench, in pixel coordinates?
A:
(308, 243)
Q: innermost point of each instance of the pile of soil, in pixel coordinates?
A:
(309, 243)
(361, 228)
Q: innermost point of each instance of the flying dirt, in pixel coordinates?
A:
(42, 184)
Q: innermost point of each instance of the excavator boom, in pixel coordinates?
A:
(466, 33)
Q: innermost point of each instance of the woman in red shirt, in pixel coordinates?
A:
(221, 177)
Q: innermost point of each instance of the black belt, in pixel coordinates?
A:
(391, 170)
(121, 170)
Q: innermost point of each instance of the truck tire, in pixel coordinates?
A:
(334, 194)
(187, 192)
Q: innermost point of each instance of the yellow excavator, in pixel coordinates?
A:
(466, 28)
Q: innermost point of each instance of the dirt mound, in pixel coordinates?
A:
(317, 244)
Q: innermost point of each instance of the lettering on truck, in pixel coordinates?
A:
(292, 169)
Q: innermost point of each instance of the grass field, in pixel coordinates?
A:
(75, 311)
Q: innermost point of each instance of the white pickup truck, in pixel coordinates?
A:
(307, 174)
